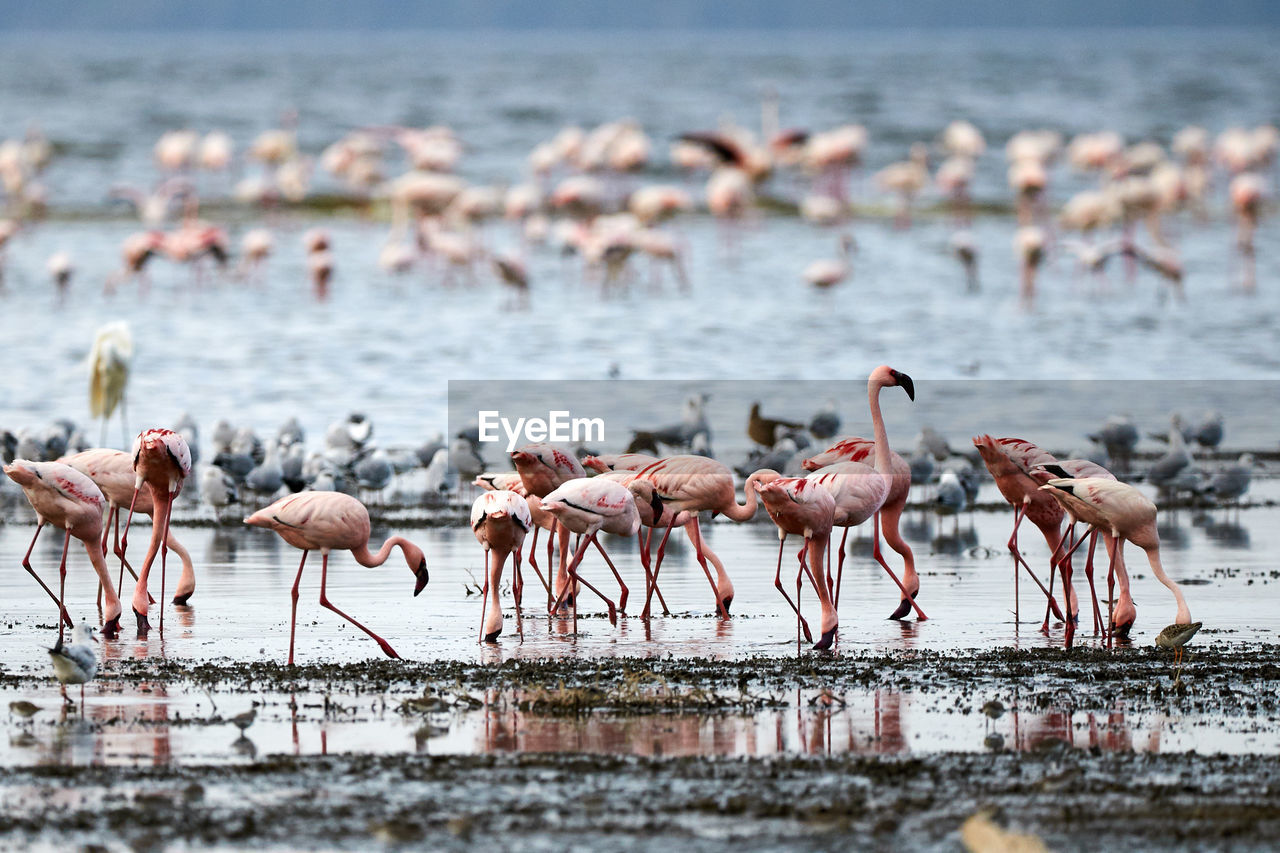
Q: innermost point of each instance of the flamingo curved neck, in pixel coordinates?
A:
(365, 558)
(881, 434)
(744, 512)
(1184, 612)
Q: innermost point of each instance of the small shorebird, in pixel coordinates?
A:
(243, 720)
(24, 709)
(76, 663)
(1176, 636)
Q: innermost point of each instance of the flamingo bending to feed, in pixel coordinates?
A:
(585, 507)
(112, 472)
(161, 461)
(327, 521)
(800, 505)
(1010, 461)
(1077, 511)
(500, 519)
(64, 497)
(693, 484)
(1129, 516)
(543, 468)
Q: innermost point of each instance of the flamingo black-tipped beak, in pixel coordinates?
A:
(904, 381)
(181, 600)
(904, 607)
(423, 577)
(143, 625)
(725, 602)
(492, 637)
(825, 641)
(111, 629)
(1122, 631)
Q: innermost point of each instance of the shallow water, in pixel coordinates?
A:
(240, 612)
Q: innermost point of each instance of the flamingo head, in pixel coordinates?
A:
(885, 376)
(594, 464)
(422, 577)
(22, 472)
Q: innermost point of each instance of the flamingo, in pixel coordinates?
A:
(862, 491)
(693, 484)
(1028, 245)
(1129, 516)
(828, 272)
(1078, 510)
(112, 472)
(587, 506)
(500, 519)
(802, 506)
(1010, 460)
(511, 481)
(325, 521)
(63, 496)
(162, 461)
(544, 468)
(619, 462)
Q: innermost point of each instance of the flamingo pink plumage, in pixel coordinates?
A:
(801, 506)
(587, 506)
(500, 519)
(1010, 461)
(329, 521)
(112, 471)
(161, 461)
(1129, 516)
(694, 484)
(64, 497)
(543, 468)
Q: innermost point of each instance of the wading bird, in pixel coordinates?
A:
(329, 521)
(499, 519)
(161, 462)
(65, 498)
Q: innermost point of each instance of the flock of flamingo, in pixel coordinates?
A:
(854, 481)
(591, 192)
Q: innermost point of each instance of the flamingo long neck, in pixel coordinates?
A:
(747, 511)
(877, 424)
(365, 558)
(1184, 612)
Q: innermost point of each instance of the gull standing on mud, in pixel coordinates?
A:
(76, 663)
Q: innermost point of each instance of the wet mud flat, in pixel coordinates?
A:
(1073, 797)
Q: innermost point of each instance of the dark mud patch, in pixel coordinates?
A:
(538, 801)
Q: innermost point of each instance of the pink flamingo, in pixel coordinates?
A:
(1077, 511)
(544, 468)
(500, 519)
(799, 505)
(855, 449)
(585, 507)
(112, 472)
(64, 497)
(511, 481)
(327, 521)
(693, 484)
(1129, 516)
(1010, 460)
(162, 461)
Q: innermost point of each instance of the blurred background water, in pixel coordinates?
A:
(260, 352)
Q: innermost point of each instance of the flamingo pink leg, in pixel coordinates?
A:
(324, 602)
(879, 557)
(650, 579)
(622, 596)
(62, 582)
(801, 624)
(657, 565)
(293, 616)
(26, 564)
(1018, 560)
(572, 568)
(696, 531)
